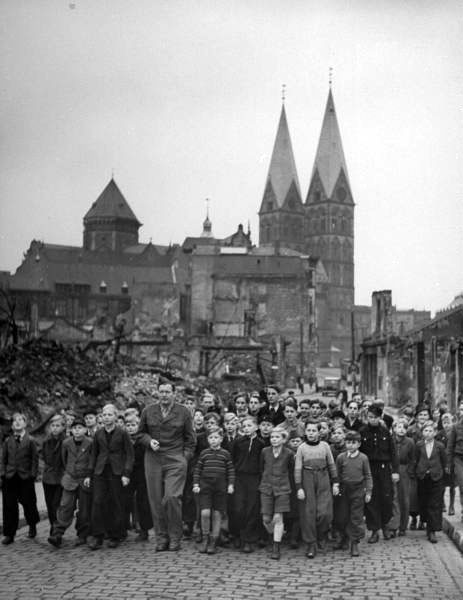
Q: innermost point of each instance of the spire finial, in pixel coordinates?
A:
(330, 76)
(112, 173)
(207, 207)
(283, 92)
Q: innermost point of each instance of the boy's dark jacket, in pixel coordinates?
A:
(246, 455)
(118, 454)
(22, 458)
(53, 462)
(434, 465)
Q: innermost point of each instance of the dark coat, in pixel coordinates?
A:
(405, 448)
(455, 443)
(174, 433)
(51, 455)
(21, 459)
(378, 445)
(118, 454)
(435, 465)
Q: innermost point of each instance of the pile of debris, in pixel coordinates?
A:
(43, 377)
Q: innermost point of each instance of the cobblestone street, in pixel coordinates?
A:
(408, 568)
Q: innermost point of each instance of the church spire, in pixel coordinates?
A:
(207, 225)
(282, 174)
(329, 159)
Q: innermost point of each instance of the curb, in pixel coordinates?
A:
(456, 535)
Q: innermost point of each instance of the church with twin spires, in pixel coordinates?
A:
(319, 223)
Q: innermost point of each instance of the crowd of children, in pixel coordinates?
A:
(265, 469)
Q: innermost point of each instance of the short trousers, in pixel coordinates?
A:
(271, 504)
(213, 494)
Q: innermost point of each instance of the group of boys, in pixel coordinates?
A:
(113, 473)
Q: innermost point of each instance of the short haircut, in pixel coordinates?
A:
(132, 417)
(167, 383)
(229, 416)
(19, 414)
(341, 427)
(338, 414)
(284, 434)
(353, 436)
(291, 402)
(217, 430)
(429, 424)
(212, 415)
(352, 401)
(200, 410)
(249, 418)
(313, 422)
(57, 418)
(305, 401)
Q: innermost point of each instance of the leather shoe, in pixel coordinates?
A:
(311, 551)
(162, 547)
(113, 543)
(401, 532)
(142, 536)
(374, 538)
(8, 539)
(451, 511)
(95, 543)
(354, 549)
(343, 544)
(32, 531)
(432, 537)
(247, 548)
(387, 535)
(80, 541)
(55, 540)
(174, 545)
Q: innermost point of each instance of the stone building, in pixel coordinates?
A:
(320, 225)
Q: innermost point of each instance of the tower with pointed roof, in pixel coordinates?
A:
(281, 214)
(110, 225)
(329, 234)
(323, 226)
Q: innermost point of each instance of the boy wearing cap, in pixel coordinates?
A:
(355, 489)
(53, 466)
(75, 455)
(265, 428)
(90, 422)
(378, 445)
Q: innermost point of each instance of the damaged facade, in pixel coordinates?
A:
(411, 358)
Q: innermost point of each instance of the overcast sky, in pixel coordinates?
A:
(181, 99)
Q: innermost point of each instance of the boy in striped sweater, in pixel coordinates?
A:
(213, 478)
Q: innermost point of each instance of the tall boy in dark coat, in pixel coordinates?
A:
(111, 466)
